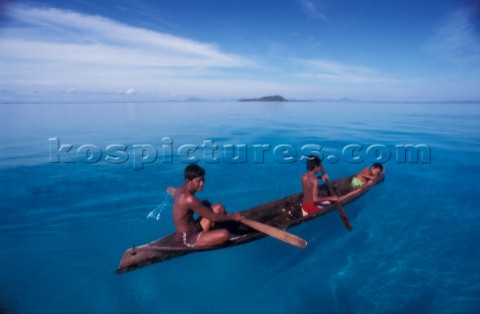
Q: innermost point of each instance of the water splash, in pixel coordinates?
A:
(157, 212)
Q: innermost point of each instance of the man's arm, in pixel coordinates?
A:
(207, 213)
(323, 174)
(365, 173)
(317, 199)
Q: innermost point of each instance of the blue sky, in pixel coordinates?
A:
(223, 49)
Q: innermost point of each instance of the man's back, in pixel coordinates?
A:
(309, 186)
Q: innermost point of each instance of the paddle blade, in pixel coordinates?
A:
(343, 216)
(171, 191)
(340, 209)
(275, 233)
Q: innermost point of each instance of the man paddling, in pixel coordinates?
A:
(198, 233)
(311, 201)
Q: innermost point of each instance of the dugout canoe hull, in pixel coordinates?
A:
(283, 214)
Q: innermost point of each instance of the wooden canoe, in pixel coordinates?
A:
(283, 213)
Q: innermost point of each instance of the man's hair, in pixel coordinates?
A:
(193, 171)
(378, 166)
(312, 162)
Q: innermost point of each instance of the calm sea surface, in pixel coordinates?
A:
(78, 181)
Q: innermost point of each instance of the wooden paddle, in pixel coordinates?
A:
(340, 209)
(268, 230)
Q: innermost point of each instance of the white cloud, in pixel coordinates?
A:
(57, 51)
(313, 9)
(334, 71)
(48, 47)
(101, 54)
(456, 40)
(68, 26)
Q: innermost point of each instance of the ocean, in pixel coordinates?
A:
(78, 182)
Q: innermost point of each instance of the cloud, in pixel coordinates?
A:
(50, 46)
(312, 9)
(334, 71)
(55, 51)
(71, 27)
(457, 40)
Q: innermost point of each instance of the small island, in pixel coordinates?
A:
(275, 98)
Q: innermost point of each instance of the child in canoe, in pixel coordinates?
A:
(311, 201)
(366, 175)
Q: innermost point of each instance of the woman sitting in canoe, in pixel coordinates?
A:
(311, 201)
(196, 233)
(366, 175)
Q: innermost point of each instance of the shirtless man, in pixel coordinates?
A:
(311, 201)
(197, 233)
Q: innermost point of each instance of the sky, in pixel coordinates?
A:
(382, 50)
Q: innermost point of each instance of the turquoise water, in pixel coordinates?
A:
(67, 217)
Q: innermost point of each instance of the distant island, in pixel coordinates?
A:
(275, 98)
